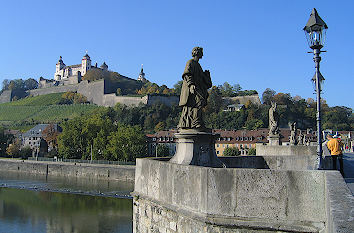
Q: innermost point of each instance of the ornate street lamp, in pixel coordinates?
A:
(315, 31)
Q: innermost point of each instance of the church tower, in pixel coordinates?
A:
(142, 75)
(85, 64)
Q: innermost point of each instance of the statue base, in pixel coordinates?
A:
(195, 147)
(274, 140)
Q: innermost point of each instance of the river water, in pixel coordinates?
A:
(33, 203)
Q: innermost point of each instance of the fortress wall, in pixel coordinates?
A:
(167, 100)
(5, 97)
(110, 100)
(93, 91)
(50, 90)
(244, 99)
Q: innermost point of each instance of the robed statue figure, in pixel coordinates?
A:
(194, 93)
(273, 120)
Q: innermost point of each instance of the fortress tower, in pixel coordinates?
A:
(59, 69)
(85, 64)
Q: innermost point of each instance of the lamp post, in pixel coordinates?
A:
(315, 31)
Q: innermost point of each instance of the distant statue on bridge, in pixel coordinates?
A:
(194, 93)
(300, 138)
(273, 120)
(292, 133)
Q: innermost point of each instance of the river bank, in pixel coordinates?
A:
(91, 171)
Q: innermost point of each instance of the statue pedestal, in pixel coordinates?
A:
(274, 140)
(196, 148)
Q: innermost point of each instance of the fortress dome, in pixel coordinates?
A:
(87, 57)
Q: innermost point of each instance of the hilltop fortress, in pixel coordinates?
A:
(67, 75)
(103, 91)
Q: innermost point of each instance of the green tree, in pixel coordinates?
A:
(267, 96)
(338, 118)
(214, 101)
(160, 126)
(30, 84)
(5, 84)
(177, 87)
(254, 124)
(231, 151)
(25, 152)
(14, 148)
(5, 140)
(252, 151)
(162, 150)
(127, 143)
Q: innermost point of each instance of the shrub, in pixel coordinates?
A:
(231, 151)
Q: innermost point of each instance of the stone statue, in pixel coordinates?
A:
(195, 143)
(300, 138)
(194, 93)
(273, 120)
(292, 133)
(305, 141)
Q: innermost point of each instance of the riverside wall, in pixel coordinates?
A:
(91, 171)
(180, 198)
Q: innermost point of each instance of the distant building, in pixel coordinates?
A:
(254, 99)
(33, 138)
(242, 139)
(66, 75)
(162, 137)
(234, 107)
(63, 72)
(142, 75)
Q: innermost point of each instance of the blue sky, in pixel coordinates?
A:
(258, 44)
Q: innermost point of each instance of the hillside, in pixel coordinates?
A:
(40, 109)
(41, 100)
(126, 85)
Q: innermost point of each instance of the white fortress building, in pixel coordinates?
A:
(68, 75)
(63, 72)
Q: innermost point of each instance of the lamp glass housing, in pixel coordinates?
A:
(316, 35)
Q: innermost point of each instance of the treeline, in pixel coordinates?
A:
(226, 90)
(119, 133)
(102, 136)
(19, 87)
(19, 84)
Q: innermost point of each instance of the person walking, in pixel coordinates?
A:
(335, 147)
